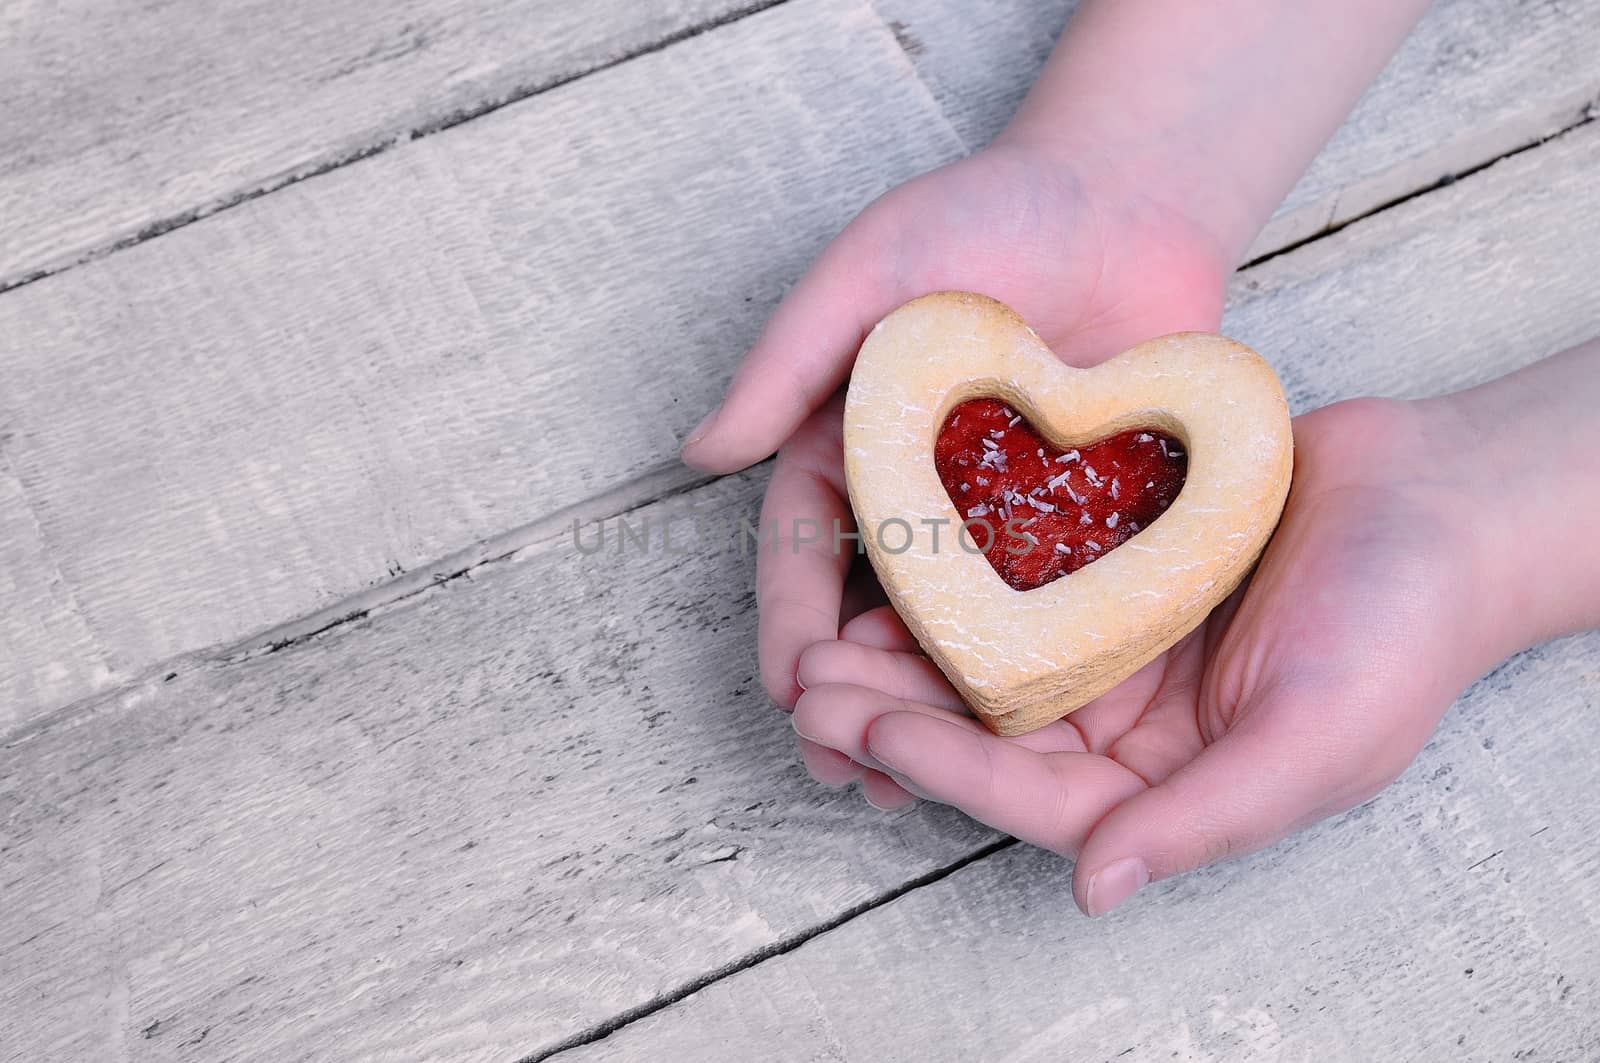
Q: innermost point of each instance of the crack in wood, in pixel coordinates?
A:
(1589, 112)
(285, 643)
(662, 483)
(760, 956)
(733, 853)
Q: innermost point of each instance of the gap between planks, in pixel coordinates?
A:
(1586, 114)
(665, 481)
(438, 124)
(776, 949)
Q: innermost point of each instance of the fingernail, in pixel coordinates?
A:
(894, 773)
(878, 754)
(907, 785)
(796, 725)
(1115, 883)
(699, 431)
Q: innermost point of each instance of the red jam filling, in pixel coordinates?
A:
(1050, 512)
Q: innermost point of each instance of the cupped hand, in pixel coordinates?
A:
(1301, 696)
(1088, 263)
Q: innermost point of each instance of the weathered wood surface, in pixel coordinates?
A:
(128, 118)
(1477, 79)
(275, 854)
(264, 413)
(1448, 290)
(121, 116)
(469, 828)
(349, 382)
(1455, 917)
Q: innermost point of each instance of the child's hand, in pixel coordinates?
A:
(1092, 267)
(1156, 142)
(1301, 696)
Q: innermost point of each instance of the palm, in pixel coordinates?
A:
(1001, 223)
(1364, 560)
(1301, 694)
(1090, 279)
(1340, 651)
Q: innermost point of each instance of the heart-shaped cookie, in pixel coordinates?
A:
(1024, 657)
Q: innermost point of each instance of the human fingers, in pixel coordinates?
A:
(880, 628)
(1277, 771)
(902, 675)
(805, 351)
(883, 793)
(1051, 799)
(828, 766)
(800, 569)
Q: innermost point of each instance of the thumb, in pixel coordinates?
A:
(803, 355)
(1278, 770)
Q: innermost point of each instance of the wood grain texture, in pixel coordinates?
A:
(1477, 79)
(121, 116)
(131, 117)
(1453, 288)
(257, 416)
(46, 647)
(1454, 917)
(465, 828)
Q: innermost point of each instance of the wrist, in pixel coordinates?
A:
(1182, 262)
(1495, 623)
(1522, 445)
(1211, 110)
(1415, 460)
(1131, 188)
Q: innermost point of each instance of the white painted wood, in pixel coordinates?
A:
(1518, 72)
(465, 829)
(1453, 288)
(979, 57)
(128, 117)
(1478, 78)
(276, 853)
(1455, 917)
(47, 652)
(260, 415)
(257, 417)
(124, 115)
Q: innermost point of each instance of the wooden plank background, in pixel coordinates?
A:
(1474, 81)
(511, 814)
(472, 827)
(323, 398)
(1452, 918)
(252, 418)
(123, 117)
